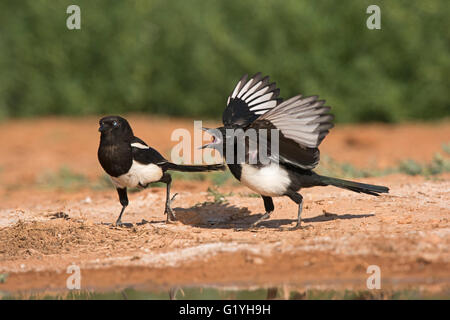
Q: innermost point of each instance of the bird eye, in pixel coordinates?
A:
(115, 123)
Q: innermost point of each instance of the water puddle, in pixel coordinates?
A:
(230, 294)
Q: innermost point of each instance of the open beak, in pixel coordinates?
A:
(214, 141)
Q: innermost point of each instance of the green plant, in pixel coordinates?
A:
(446, 147)
(102, 183)
(217, 196)
(220, 177)
(330, 167)
(189, 176)
(249, 195)
(410, 167)
(3, 277)
(64, 179)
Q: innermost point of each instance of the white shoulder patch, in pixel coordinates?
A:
(139, 145)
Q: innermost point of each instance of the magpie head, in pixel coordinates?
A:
(115, 126)
(218, 136)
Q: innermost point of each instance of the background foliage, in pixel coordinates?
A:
(184, 57)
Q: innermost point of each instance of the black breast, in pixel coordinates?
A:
(236, 170)
(115, 159)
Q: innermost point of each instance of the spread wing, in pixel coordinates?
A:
(144, 154)
(302, 124)
(249, 100)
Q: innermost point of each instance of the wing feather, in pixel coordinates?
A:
(250, 99)
(304, 120)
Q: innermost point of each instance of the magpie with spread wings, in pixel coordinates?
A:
(131, 163)
(300, 124)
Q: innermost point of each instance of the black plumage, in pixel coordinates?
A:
(297, 125)
(131, 163)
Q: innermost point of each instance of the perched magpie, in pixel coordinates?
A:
(131, 163)
(301, 123)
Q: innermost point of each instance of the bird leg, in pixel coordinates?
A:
(167, 179)
(263, 217)
(269, 207)
(299, 215)
(123, 197)
(119, 219)
(298, 199)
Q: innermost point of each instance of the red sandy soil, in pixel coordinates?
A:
(42, 231)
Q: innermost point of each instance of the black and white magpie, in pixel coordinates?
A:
(301, 123)
(131, 163)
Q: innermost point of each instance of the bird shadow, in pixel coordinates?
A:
(113, 225)
(213, 215)
(226, 216)
(277, 223)
(131, 225)
(222, 215)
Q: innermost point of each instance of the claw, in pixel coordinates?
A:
(300, 227)
(170, 214)
(265, 216)
(168, 211)
(118, 223)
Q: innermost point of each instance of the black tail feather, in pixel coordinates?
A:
(354, 186)
(194, 168)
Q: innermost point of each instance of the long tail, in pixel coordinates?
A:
(354, 186)
(201, 168)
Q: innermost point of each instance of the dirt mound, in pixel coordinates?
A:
(62, 236)
(30, 238)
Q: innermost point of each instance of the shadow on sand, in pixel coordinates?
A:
(226, 216)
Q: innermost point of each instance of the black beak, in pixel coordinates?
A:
(205, 145)
(217, 138)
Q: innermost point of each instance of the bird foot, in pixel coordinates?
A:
(170, 214)
(119, 223)
(265, 216)
(300, 227)
(168, 210)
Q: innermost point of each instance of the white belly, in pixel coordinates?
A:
(138, 174)
(271, 180)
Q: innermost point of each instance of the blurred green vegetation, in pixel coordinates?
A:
(184, 57)
(66, 179)
(438, 165)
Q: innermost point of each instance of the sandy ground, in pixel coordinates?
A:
(43, 231)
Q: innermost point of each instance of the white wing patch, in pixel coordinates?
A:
(304, 120)
(266, 105)
(261, 99)
(253, 89)
(257, 93)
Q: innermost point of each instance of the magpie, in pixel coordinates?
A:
(300, 123)
(131, 163)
